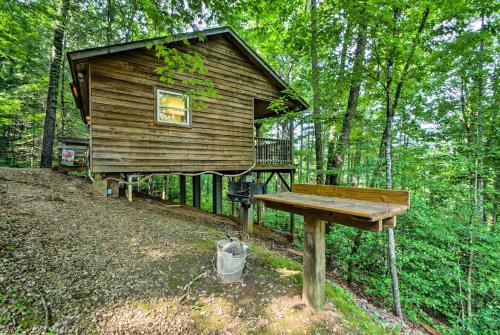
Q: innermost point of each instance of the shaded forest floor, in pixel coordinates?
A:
(74, 261)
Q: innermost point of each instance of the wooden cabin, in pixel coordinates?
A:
(141, 124)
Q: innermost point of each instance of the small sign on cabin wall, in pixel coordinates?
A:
(67, 157)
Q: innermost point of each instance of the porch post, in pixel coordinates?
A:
(260, 207)
(292, 215)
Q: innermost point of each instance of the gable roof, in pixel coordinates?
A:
(239, 43)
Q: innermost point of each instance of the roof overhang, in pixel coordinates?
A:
(74, 56)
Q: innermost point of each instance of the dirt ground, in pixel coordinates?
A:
(72, 261)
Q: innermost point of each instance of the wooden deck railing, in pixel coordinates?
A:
(273, 151)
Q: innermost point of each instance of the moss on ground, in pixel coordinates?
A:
(341, 299)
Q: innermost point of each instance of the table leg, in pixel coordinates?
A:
(313, 287)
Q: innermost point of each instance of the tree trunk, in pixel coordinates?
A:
(399, 89)
(316, 96)
(308, 161)
(394, 272)
(390, 231)
(109, 21)
(340, 75)
(352, 105)
(301, 150)
(55, 69)
(387, 143)
(470, 261)
(480, 93)
(63, 103)
(494, 214)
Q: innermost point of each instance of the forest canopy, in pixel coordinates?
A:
(403, 95)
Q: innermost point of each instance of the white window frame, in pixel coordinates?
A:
(159, 92)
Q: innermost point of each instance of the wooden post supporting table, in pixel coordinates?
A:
(313, 288)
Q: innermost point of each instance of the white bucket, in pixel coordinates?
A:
(230, 267)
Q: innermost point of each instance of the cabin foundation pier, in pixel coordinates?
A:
(182, 189)
(197, 191)
(129, 187)
(217, 194)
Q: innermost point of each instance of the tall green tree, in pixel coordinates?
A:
(49, 127)
(316, 93)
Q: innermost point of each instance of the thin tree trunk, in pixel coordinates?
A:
(316, 96)
(109, 19)
(301, 157)
(308, 162)
(391, 110)
(55, 69)
(340, 75)
(394, 272)
(478, 183)
(480, 93)
(32, 151)
(63, 103)
(399, 90)
(352, 105)
(390, 231)
(470, 262)
(460, 291)
(494, 214)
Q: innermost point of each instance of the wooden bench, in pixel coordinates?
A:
(362, 208)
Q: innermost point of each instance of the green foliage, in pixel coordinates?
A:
(190, 63)
(445, 137)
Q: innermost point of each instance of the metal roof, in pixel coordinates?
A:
(242, 46)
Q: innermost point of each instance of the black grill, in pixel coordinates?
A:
(244, 191)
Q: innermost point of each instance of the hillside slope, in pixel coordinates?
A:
(73, 261)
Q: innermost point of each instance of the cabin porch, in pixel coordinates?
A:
(271, 154)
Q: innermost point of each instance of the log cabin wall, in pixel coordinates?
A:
(125, 136)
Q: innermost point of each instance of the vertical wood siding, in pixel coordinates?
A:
(125, 137)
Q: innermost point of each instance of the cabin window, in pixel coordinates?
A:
(172, 107)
